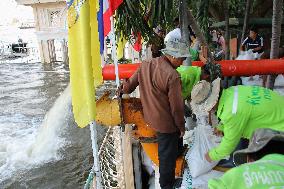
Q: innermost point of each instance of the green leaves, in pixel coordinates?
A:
(142, 16)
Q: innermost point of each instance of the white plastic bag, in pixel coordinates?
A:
(188, 137)
(203, 141)
(247, 55)
(200, 182)
(189, 123)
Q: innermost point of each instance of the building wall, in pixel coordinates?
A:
(50, 23)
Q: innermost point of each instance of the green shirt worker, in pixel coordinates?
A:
(265, 167)
(190, 75)
(241, 109)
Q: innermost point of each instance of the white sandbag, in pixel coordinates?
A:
(279, 81)
(254, 81)
(203, 141)
(279, 84)
(189, 123)
(188, 137)
(200, 182)
(246, 55)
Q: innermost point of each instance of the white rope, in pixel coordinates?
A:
(96, 166)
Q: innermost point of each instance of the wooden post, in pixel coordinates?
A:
(51, 50)
(127, 157)
(44, 51)
(64, 47)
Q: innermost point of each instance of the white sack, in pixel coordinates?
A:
(200, 182)
(203, 141)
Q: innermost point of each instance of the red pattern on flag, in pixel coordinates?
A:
(138, 45)
(112, 6)
(107, 22)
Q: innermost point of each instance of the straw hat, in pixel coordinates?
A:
(205, 95)
(259, 140)
(175, 46)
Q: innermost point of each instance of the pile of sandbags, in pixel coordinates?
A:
(200, 140)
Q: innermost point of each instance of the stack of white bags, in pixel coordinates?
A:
(199, 170)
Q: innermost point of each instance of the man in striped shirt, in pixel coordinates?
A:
(254, 42)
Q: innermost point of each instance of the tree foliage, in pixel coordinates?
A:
(143, 15)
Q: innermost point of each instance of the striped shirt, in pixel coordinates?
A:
(249, 43)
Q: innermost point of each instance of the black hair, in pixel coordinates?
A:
(176, 22)
(206, 69)
(272, 147)
(191, 32)
(254, 29)
(176, 19)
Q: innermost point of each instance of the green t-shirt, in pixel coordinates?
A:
(242, 110)
(190, 75)
(194, 54)
(266, 173)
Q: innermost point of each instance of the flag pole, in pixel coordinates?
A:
(96, 165)
(114, 53)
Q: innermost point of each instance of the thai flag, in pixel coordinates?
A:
(107, 9)
(138, 43)
(106, 17)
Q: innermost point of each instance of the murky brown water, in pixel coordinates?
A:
(38, 151)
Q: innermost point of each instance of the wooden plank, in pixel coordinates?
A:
(127, 157)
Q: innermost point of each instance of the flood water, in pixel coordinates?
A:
(40, 144)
